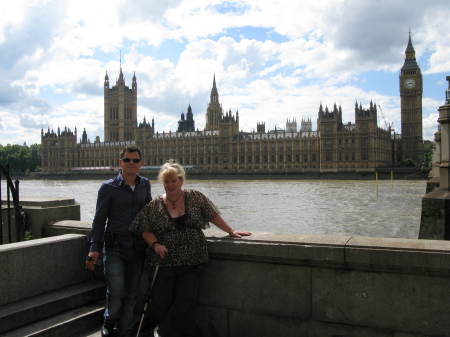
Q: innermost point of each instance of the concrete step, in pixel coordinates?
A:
(22, 313)
(81, 321)
(96, 333)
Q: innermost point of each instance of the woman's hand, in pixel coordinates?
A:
(160, 249)
(219, 222)
(239, 234)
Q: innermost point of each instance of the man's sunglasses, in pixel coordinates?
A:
(134, 160)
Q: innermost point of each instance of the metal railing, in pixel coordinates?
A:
(12, 219)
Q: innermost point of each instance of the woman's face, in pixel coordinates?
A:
(172, 184)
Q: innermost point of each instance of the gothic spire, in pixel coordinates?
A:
(106, 84)
(410, 56)
(409, 47)
(214, 98)
(134, 83)
(410, 53)
(120, 62)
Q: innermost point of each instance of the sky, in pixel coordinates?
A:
(273, 60)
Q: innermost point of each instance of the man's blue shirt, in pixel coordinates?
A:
(117, 206)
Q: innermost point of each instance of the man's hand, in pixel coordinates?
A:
(91, 260)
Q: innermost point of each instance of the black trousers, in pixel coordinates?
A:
(174, 299)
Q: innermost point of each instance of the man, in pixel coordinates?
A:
(118, 202)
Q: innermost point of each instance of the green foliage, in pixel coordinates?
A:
(28, 236)
(427, 153)
(408, 162)
(21, 158)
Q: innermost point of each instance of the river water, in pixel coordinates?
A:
(343, 207)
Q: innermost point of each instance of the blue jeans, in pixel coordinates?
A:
(123, 270)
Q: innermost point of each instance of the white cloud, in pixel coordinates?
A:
(430, 126)
(434, 38)
(17, 11)
(281, 60)
(439, 60)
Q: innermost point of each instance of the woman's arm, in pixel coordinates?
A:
(221, 223)
(152, 241)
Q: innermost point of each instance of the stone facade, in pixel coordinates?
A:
(120, 112)
(186, 124)
(221, 148)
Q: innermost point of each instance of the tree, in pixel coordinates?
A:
(20, 158)
(427, 153)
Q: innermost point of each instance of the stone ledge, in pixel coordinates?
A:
(45, 202)
(438, 194)
(38, 242)
(399, 255)
(365, 253)
(302, 252)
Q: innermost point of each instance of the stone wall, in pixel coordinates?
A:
(35, 267)
(279, 285)
(284, 285)
(40, 212)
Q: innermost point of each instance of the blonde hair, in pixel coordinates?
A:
(171, 169)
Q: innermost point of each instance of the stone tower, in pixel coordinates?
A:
(328, 125)
(120, 111)
(366, 125)
(186, 124)
(306, 125)
(291, 125)
(214, 110)
(411, 106)
(261, 127)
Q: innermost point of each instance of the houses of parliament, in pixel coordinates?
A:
(222, 148)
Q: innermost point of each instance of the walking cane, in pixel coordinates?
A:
(147, 303)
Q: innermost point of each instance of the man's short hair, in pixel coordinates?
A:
(130, 148)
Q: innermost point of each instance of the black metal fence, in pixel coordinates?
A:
(12, 217)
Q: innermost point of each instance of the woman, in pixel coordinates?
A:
(172, 226)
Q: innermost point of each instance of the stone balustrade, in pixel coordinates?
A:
(282, 285)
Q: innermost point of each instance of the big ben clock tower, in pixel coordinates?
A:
(411, 106)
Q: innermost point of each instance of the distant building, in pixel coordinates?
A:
(291, 126)
(306, 125)
(120, 112)
(411, 88)
(188, 124)
(222, 148)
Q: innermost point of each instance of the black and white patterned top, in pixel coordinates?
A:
(183, 238)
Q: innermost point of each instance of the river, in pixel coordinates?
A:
(341, 207)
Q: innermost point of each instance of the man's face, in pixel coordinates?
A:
(128, 164)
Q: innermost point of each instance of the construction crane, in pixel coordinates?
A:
(386, 124)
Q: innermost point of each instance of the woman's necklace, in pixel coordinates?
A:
(174, 201)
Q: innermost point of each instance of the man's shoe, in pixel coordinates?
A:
(107, 331)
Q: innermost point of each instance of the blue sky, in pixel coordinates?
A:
(273, 59)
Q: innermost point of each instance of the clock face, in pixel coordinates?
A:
(410, 83)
